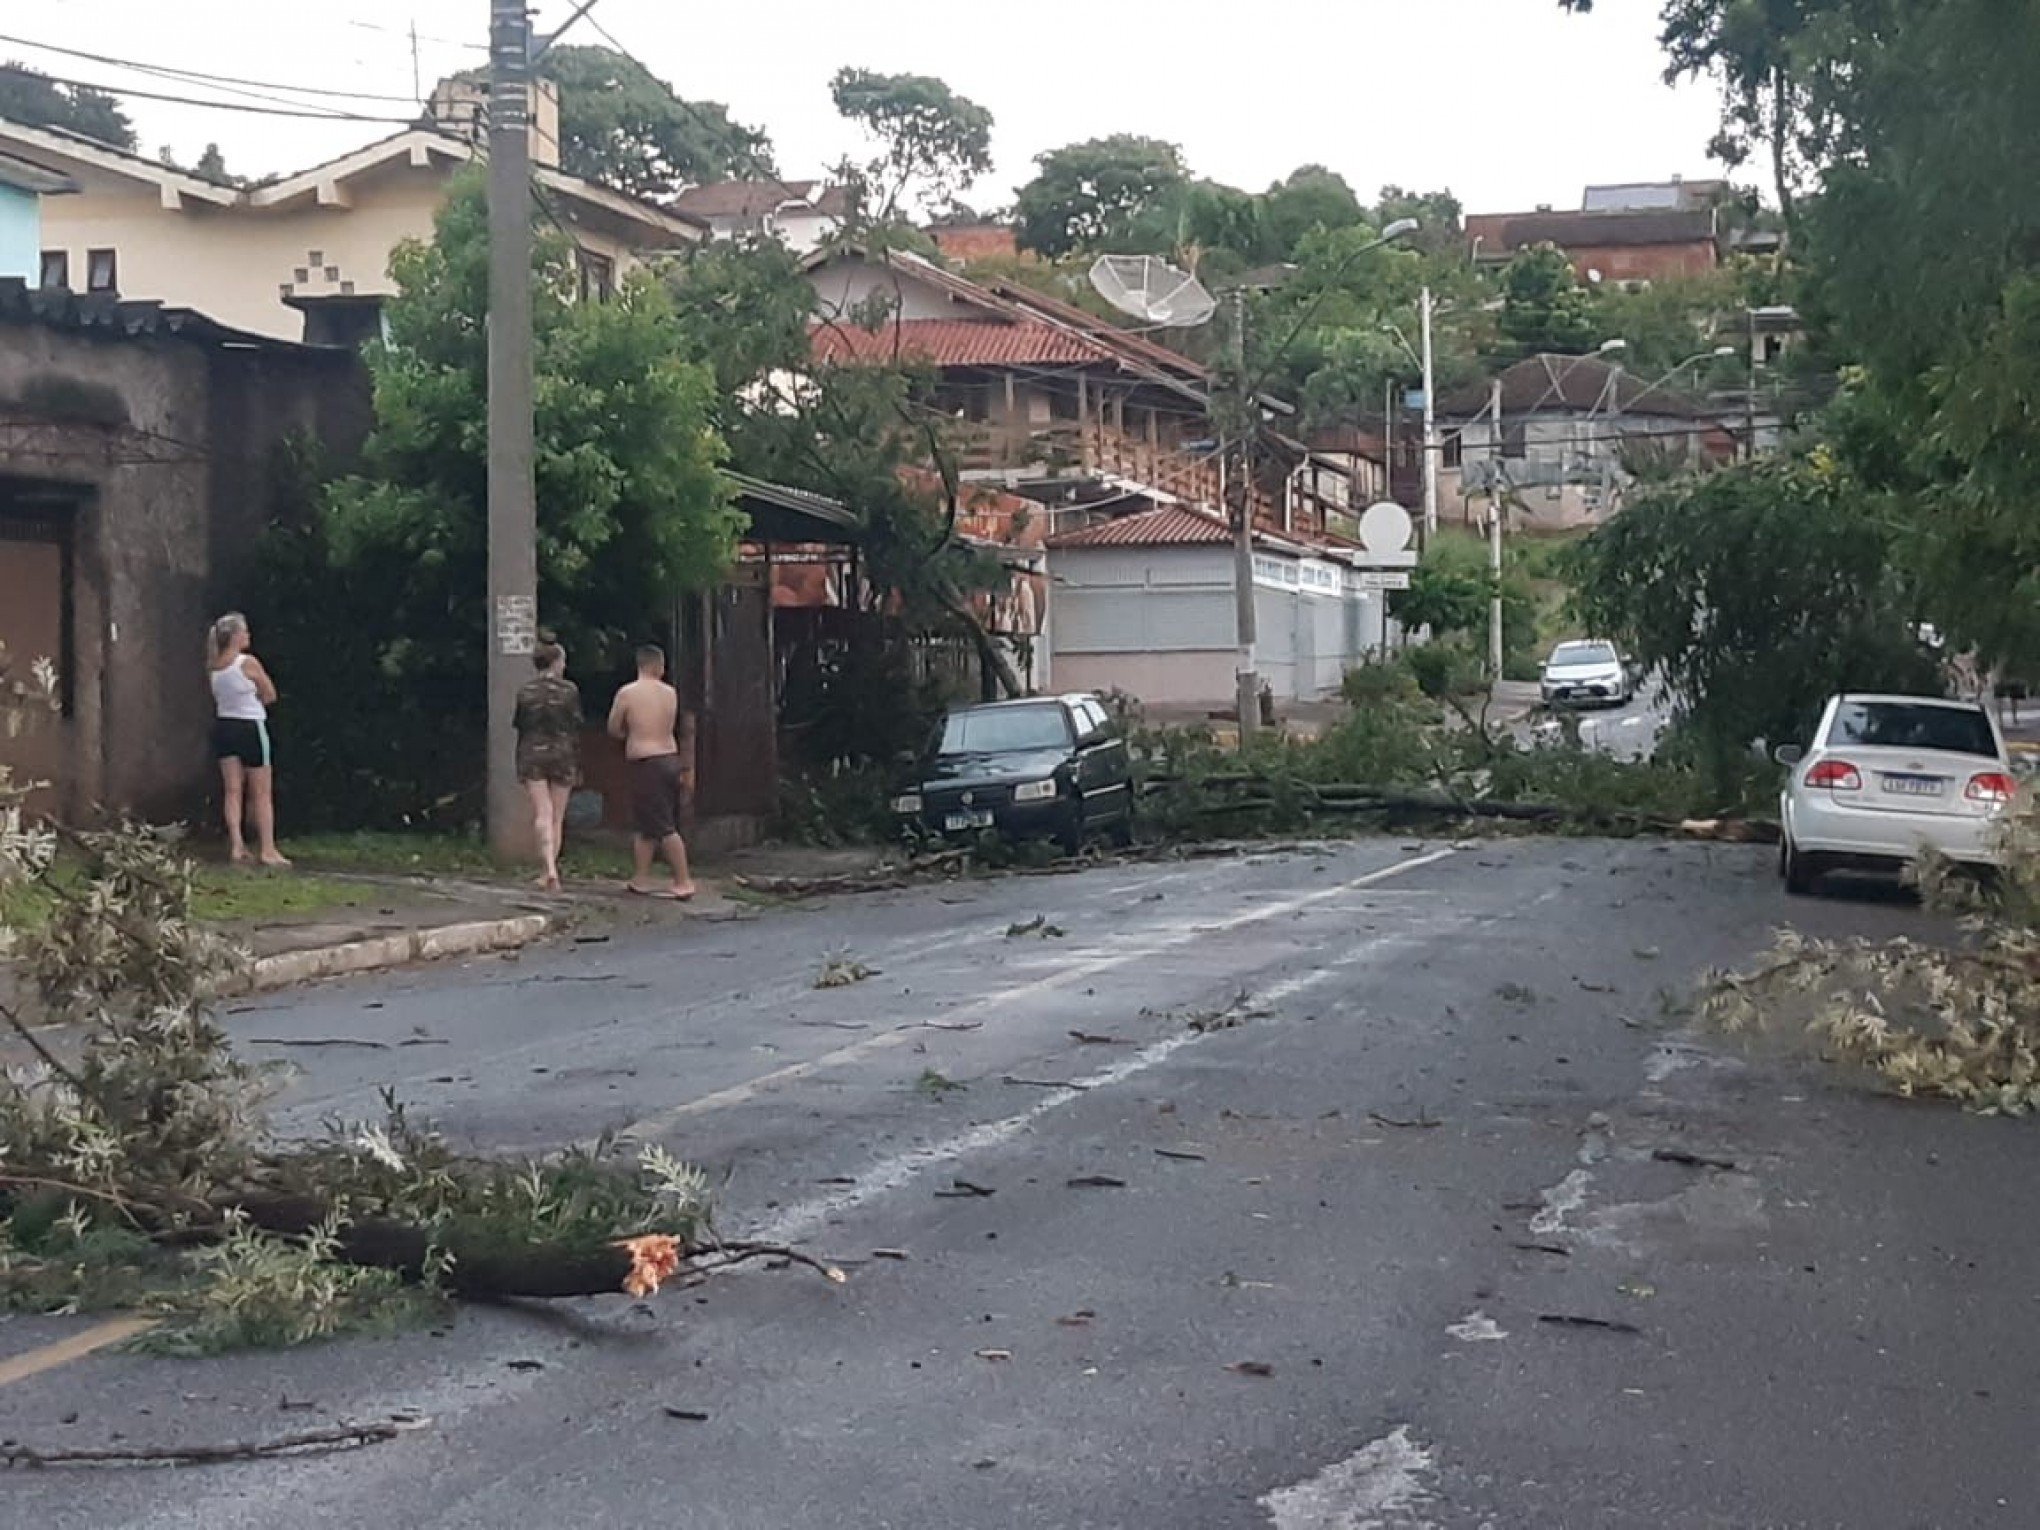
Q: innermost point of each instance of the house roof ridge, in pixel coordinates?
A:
(83, 146)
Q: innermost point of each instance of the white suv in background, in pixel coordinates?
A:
(1887, 776)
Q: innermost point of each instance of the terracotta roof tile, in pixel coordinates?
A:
(1166, 526)
(958, 343)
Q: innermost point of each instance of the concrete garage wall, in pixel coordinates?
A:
(1154, 622)
(1158, 623)
(1159, 679)
(168, 446)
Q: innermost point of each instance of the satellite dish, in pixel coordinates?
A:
(1385, 528)
(1153, 290)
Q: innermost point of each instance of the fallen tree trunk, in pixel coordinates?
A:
(1362, 797)
(487, 1263)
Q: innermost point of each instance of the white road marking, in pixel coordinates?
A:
(1379, 1487)
(1123, 954)
(893, 1173)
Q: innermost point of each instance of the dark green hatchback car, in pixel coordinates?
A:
(1052, 767)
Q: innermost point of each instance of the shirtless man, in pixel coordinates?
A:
(646, 717)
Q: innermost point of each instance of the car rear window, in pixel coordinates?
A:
(999, 730)
(1913, 725)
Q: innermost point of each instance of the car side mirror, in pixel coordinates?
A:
(907, 757)
(1788, 754)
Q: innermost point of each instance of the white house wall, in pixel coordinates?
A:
(1159, 623)
(844, 286)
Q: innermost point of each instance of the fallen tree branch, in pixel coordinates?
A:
(722, 1256)
(341, 1437)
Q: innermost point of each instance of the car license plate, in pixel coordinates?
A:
(978, 818)
(1913, 786)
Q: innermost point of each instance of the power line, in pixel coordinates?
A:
(227, 106)
(199, 77)
(407, 34)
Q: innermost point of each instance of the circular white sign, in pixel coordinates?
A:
(1385, 528)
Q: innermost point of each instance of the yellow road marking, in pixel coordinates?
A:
(77, 1347)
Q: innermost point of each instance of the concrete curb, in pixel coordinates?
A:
(384, 951)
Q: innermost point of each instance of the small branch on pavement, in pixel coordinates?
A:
(1575, 1320)
(344, 1437)
(723, 1256)
(1043, 1083)
(1692, 1160)
(1416, 1123)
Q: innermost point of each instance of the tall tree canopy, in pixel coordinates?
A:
(30, 97)
(1918, 263)
(1756, 593)
(930, 142)
(1088, 195)
(1544, 306)
(378, 586)
(1310, 198)
(624, 127)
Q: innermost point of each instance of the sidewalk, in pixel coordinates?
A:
(417, 918)
(400, 919)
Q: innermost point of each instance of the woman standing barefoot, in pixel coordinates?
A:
(242, 695)
(548, 725)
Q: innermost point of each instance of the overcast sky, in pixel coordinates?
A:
(1508, 103)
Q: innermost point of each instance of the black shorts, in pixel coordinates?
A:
(243, 739)
(655, 790)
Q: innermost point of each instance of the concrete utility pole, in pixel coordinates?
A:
(1431, 447)
(513, 507)
(1239, 493)
(1497, 510)
(1750, 396)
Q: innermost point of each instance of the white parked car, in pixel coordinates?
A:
(1586, 673)
(1887, 776)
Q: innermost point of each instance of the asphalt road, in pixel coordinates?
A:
(1628, 732)
(1318, 1301)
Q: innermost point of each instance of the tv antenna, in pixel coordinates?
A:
(1150, 288)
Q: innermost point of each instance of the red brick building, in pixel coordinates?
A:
(1628, 246)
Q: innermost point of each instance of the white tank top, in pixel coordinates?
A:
(234, 694)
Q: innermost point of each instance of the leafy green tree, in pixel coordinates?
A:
(1087, 196)
(744, 311)
(1544, 307)
(623, 126)
(385, 580)
(931, 142)
(1769, 60)
(1335, 333)
(30, 97)
(1441, 229)
(1676, 319)
(1309, 200)
(1449, 589)
(1757, 592)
